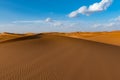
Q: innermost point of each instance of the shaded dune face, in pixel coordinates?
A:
(50, 57)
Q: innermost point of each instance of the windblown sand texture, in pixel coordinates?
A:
(55, 57)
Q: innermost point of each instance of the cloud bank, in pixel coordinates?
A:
(96, 7)
(48, 21)
(52, 25)
(114, 23)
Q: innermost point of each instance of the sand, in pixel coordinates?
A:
(104, 37)
(54, 57)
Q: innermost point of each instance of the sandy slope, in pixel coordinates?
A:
(104, 37)
(49, 57)
(8, 36)
(112, 37)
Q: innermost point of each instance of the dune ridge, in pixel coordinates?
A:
(56, 57)
(104, 37)
(112, 37)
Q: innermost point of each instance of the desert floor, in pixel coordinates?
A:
(60, 56)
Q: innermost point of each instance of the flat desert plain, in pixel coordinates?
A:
(60, 56)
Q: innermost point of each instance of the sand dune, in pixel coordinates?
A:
(52, 57)
(112, 38)
(5, 36)
(104, 37)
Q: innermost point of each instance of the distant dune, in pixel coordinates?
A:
(49, 56)
(5, 36)
(104, 37)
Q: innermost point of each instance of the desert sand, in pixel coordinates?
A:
(104, 37)
(58, 57)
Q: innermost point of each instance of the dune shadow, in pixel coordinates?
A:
(36, 36)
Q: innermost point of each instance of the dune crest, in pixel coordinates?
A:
(112, 37)
(104, 37)
(55, 57)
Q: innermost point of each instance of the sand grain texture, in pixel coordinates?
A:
(50, 57)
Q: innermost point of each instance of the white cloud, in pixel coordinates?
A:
(117, 18)
(53, 22)
(40, 25)
(48, 20)
(96, 25)
(111, 23)
(105, 25)
(96, 7)
(59, 25)
(25, 21)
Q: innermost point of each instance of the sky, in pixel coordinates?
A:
(59, 15)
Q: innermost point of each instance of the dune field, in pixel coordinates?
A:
(60, 56)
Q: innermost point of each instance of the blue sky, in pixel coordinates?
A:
(58, 15)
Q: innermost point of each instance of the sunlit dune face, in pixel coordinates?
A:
(4, 37)
(104, 37)
(8, 36)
